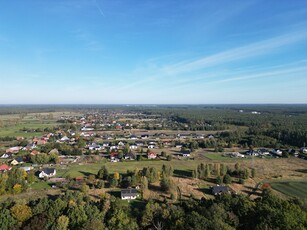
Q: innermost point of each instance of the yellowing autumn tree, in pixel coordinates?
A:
(17, 188)
(21, 212)
(116, 176)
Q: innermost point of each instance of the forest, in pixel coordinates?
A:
(75, 210)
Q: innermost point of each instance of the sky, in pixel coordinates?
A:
(153, 51)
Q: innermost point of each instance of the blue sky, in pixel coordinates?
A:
(153, 51)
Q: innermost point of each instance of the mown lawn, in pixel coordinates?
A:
(40, 185)
(291, 188)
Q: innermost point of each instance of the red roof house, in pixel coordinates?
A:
(151, 155)
(5, 167)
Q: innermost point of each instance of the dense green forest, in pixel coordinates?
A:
(75, 210)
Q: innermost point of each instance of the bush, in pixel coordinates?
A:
(227, 179)
(241, 181)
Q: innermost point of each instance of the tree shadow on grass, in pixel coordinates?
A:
(154, 188)
(115, 193)
(182, 173)
(52, 197)
(301, 170)
(86, 173)
(205, 190)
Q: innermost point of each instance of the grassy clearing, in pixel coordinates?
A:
(182, 168)
(31, 121)
(40, 185)
(28, 123)
(221, 157)
(291, 188)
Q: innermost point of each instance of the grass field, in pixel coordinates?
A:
(40, 185)
(291, 188)
(15, 130)
(220, 157)
(181, 167)
(30, 121)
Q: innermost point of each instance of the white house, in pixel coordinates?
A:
(133, 137)
(145, 136)
(304, 150)
(47, 172)
(133, 146)
(186, 154)
(94, 147)
(277, 152)
(65, 138)
(27, 168)
(6, 155)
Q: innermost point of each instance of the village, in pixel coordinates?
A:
(117, 138)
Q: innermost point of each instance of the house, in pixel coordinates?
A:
(129, 156)
(65, 138)
(237, 154)
(152, 155)
(151, 146)
(105, 144)
(35, 152)
(218, 190)
(47, 172)
(42, 141)
(13, 149)
(129, 194)
(113, 155)
(27, 168)
(17, 161)
(264, 152)
(114, 147)
(277, 152)
(183, 136)
(145, 136)
(4, 168)
(87, 129)
(186, 153)
(6, 155)
(139, 143)
(133, 137)
(304, 150)
(252, 153)
(133, 146)
(29, 146)
(94, 147)
(121, 143)
(19, 138)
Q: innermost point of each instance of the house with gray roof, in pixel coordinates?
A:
(129, 194)
(47, 172)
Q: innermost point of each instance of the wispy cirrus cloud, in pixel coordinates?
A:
(249, 51)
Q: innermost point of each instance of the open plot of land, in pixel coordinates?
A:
(30, 121)
(181, 167)
(291, 188)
